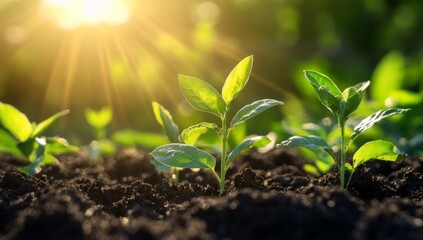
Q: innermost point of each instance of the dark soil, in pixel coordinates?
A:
(268, 196)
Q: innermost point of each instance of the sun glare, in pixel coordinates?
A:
(71, 14)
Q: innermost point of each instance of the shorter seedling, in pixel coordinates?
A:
(204, 97)
(342, 104)
(98, 121)
(20, 137)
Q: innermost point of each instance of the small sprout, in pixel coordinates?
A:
(20, 137)
(203, 97)
(99, 120)
(342, 104)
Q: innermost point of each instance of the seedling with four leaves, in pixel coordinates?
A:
(204, 97)
(20, 137)
(342, 104)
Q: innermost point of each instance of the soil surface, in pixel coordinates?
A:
(268, 196)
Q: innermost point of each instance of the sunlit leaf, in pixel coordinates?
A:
(99, 119)
(8, 143)
(201, 95)
(327, 91)
(311, 142)
(183, 156)
(374, 118)
(351, 100)
(253, 110)
(191, 134)
(15, 122)
(388, 75)
(58, 145)
(164, 118)
(259, 141)
(375, 150)
(237, 79)
(361, 87)
(42, 126)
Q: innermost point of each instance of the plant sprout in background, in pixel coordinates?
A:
(98, 121)
(204, 97)
(342, 104)
(20, 137)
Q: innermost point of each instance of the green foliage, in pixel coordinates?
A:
(342, 105)
(164, 118)
(98, 120)
(20, 137)
(204, 97)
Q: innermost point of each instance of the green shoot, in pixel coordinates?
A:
(20, 137)
(205, 98)
(342, 104)
(99, 120)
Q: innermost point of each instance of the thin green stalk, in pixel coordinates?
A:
(343, 152)
(349, 179)
(223, 157)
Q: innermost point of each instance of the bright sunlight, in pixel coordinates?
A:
(71, 14)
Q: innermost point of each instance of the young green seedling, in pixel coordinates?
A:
(98, 120)
(342, 104)
(20, 137)
(204, 97)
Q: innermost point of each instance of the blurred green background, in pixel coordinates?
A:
(58, 54)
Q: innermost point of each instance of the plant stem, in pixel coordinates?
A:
(343, 151)
(223, 157)
(349, 179)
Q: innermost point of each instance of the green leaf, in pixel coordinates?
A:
(99, 119)
(310, 142)
(237, 79)
(253, 110)
(201, 95)
(191, 134)
(164, 118)
(374, 118)
(15, 122)
(183, 156)
(379, 149)
(327, 91)
(58, 145)
(42, 126)
(388, 75)
(348, 167)
(351, 100)
(259, 141)
(131, 138)
(160, 166)
(8, 143)
(361, 87)
(39, 155)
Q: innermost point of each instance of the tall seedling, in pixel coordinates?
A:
(205, 98)
(341, 105)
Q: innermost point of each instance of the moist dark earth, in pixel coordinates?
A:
(268, 196)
